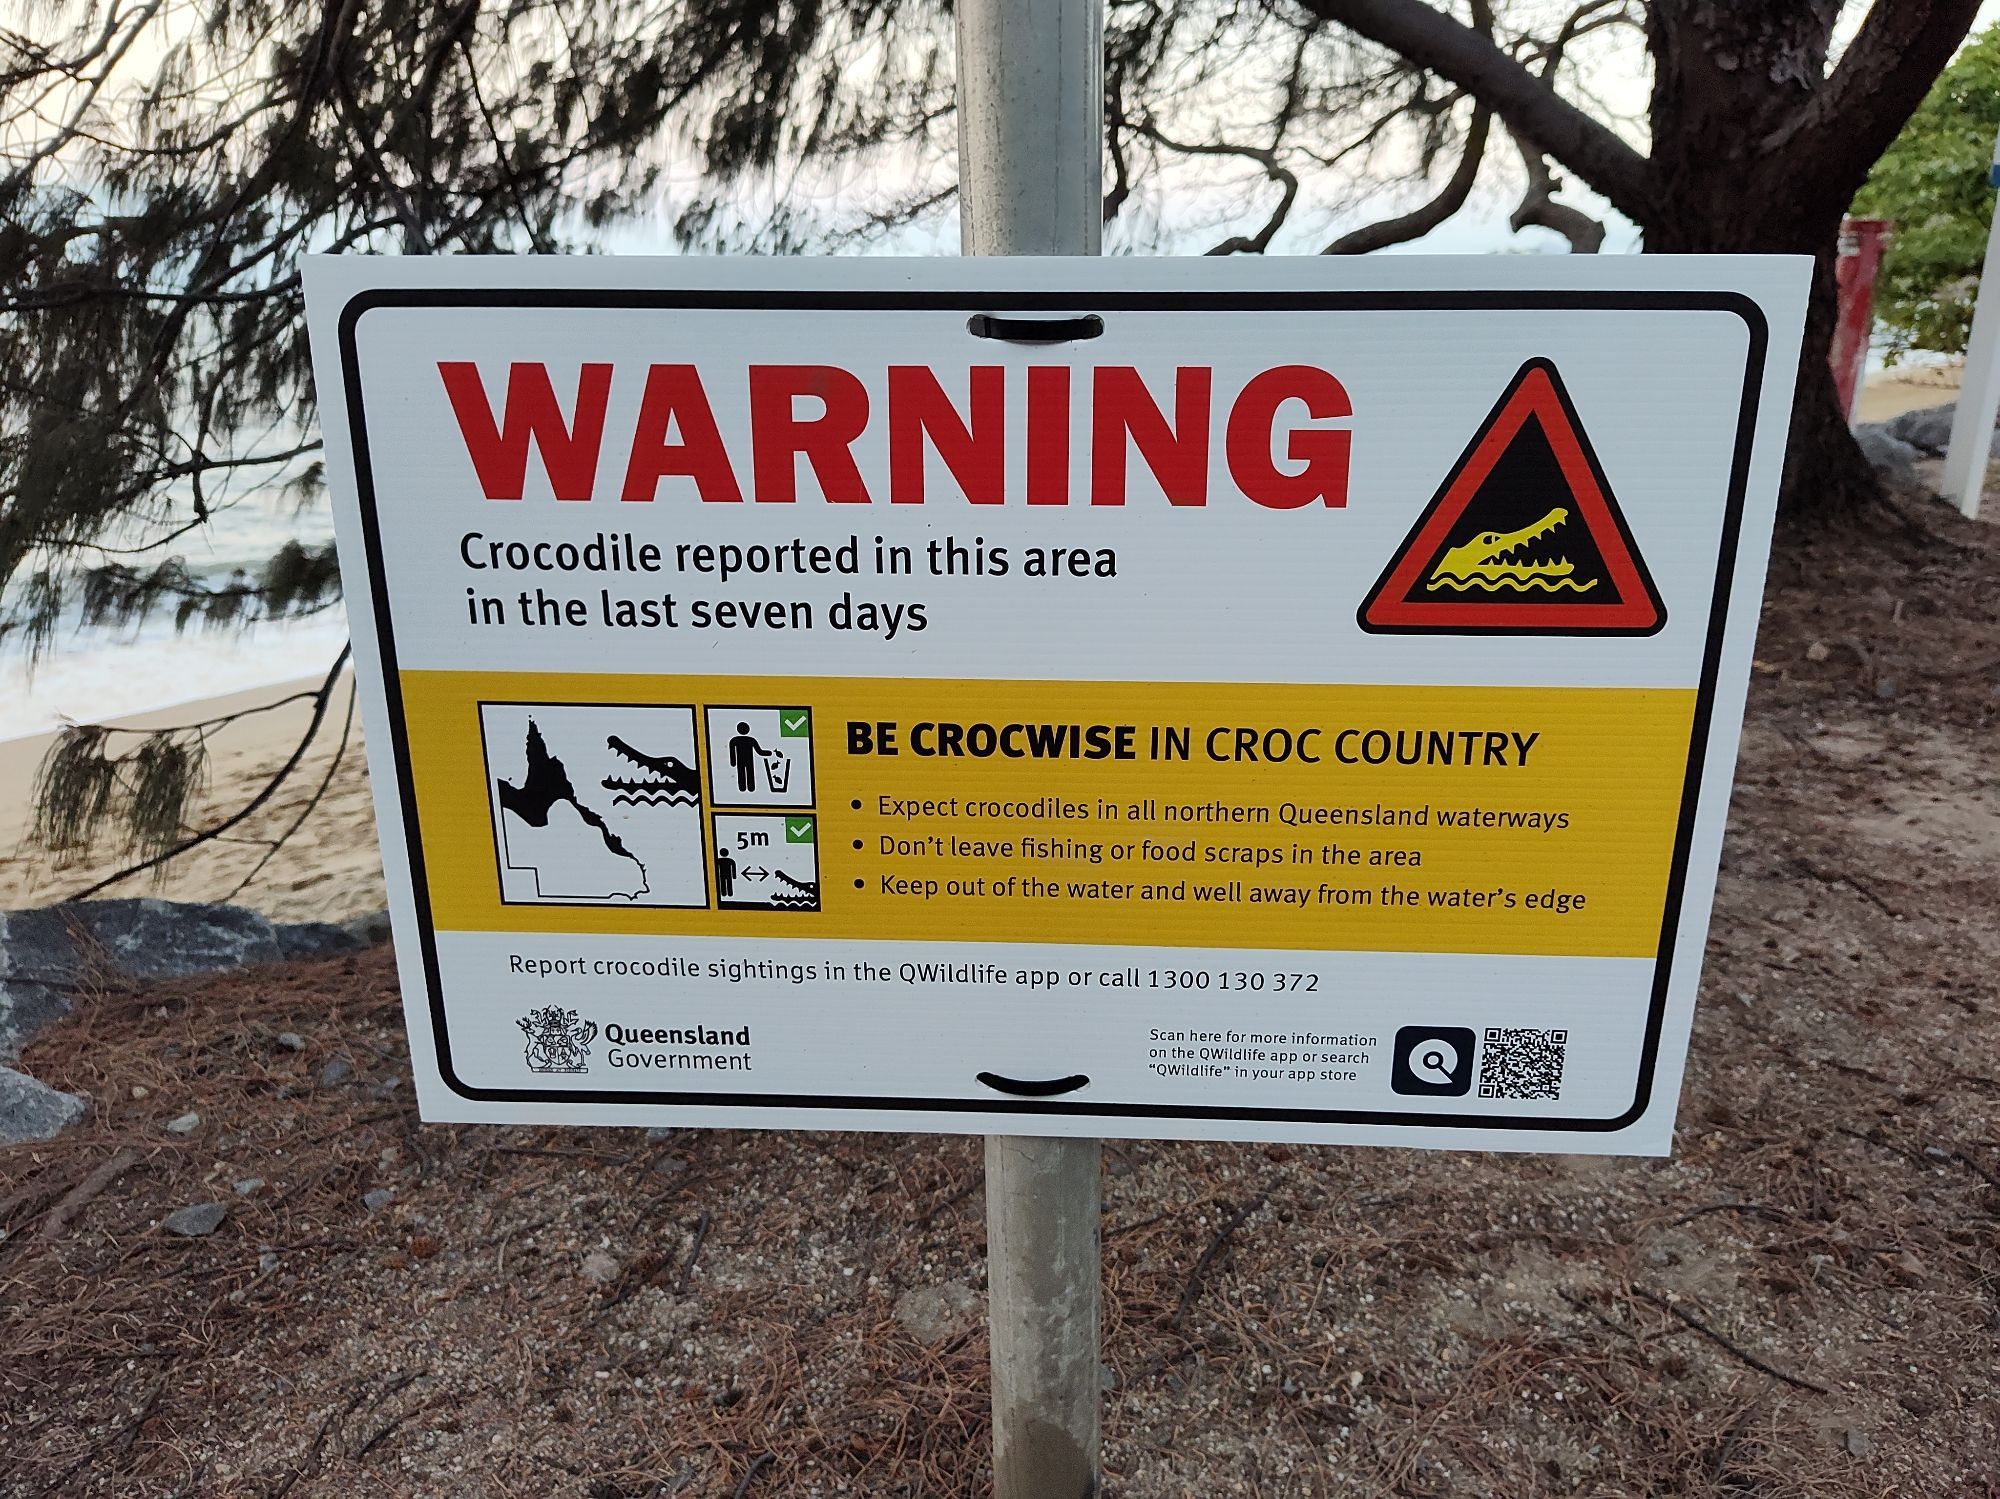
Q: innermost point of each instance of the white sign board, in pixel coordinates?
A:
(1276, 699)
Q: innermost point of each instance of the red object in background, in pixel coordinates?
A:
(1862, 242)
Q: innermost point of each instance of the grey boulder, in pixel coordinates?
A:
(38, 964)
(1886, 453)
(46, 953)
(162, 939)
(30, 1110)
(1929, 430)
(370, 929)
(313, 939)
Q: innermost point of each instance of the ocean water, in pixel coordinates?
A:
(98, 675)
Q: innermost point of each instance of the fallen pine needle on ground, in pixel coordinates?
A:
(1804, 1301)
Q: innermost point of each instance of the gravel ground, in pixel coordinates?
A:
(1804, 1301)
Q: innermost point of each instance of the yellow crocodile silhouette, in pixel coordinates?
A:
(1494, 561)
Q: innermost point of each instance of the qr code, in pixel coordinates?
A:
(1522, 1063)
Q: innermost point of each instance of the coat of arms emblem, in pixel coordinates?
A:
(557, 1040)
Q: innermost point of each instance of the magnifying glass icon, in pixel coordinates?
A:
(1435, 1061)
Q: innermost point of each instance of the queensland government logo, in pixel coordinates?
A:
(557, 1040)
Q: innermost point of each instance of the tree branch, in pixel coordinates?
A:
(312, 802)
(1422, 220)
(269, 790)
(1880, 80)
(1265, 157)
(1538, 207)
(1455, 51)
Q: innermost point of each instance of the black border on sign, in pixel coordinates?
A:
(1731, 303)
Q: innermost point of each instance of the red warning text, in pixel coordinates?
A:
(812, 428)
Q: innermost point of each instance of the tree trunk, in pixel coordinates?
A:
(1825, 472)
(1756, 149)
(1728, 81)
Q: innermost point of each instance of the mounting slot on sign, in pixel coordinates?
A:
(1035, 330)
(1045, 1088)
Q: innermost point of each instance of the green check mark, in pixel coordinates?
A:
(798, 830)
(795, 723)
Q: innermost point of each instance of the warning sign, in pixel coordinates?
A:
(1524, 538)
(1299, 705)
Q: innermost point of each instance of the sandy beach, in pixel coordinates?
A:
(329, 869)
(1908, 387)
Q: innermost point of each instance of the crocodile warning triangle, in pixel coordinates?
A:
(1524, 537)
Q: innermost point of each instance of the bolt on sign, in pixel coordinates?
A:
(1278, 699)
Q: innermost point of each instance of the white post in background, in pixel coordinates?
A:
(1979, 396)
(1030, 172)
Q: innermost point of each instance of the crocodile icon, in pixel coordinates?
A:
(1495, 561)
(669, 782)
(803, 896)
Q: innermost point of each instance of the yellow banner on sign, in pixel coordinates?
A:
(1411, 819)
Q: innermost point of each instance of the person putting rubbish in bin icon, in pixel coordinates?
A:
(744, 754)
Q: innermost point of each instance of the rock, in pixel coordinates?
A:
(387, 1086)
(371, 929)
(38, 963)
(377, 1199)
(656, 1135)
(248, 1185)
(163, 939)
(1887, 687)
(30, 1110)
(1886, 453)
(45, 953)
(1928, 429)
(291, 1041)
(140, 1090)
(931, 1314)
(196, 1220)
(267, 1261)
(187, 1124)
(600, 1268)
(1818, 651)
(1859, 1443)
(315, 939)
(336, 1072)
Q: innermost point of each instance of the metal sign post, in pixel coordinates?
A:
(1030, 154)
(1979, 397)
